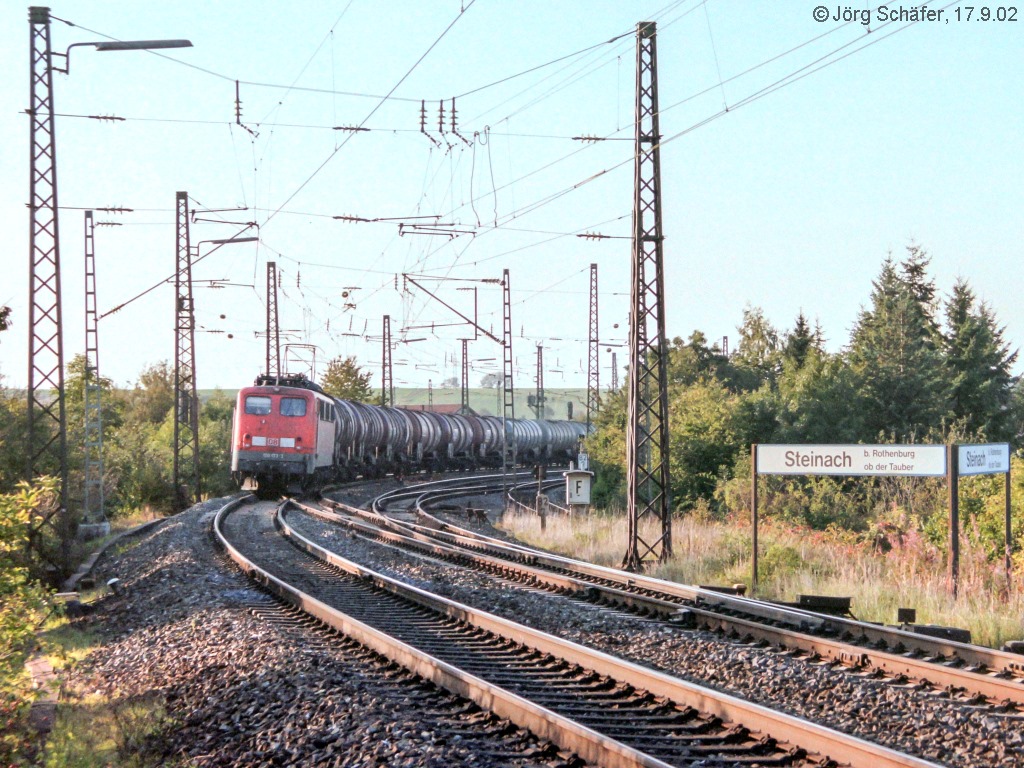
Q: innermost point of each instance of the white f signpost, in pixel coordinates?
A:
(577, 487)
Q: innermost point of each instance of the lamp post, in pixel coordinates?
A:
(47, 422)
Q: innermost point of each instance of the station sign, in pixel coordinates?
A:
(869, 460)
(990, 459)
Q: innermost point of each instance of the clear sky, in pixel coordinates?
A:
(788, 202)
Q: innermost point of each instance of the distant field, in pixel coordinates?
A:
(483, 401)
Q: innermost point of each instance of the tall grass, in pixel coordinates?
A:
(904, 571)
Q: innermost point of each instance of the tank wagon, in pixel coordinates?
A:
(290, 435)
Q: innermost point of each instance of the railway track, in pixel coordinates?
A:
(608, 711)
(974, 675)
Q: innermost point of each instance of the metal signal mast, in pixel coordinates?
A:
(46, 450)
(186, 399)
(387, 389)
(273, 324)
(508, 413)
(647, 431)
(593, 348)
(93, 503)
(539, 398)
(465, 374)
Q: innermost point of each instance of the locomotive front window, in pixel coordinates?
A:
(293, 406)
(256, 405)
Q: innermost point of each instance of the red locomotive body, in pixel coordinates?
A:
(284, 438)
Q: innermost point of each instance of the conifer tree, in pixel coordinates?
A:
(799, 343)
(921, 286)
(900, 369)
(979, 363)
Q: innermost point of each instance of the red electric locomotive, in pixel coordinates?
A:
(290, 436)
(285, 436)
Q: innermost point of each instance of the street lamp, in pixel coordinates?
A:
(117, 45)
(46, 350)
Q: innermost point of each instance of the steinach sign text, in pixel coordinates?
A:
(984, 459)
(909, 460)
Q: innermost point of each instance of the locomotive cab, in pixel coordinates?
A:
(284, 439)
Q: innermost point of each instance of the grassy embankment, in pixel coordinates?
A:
(94, 728)
(800, 561)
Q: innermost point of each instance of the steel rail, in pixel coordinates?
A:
(437, 496)
(544, 723)
(381, 502)
(988, 663)
(890, 651)
(529, 565)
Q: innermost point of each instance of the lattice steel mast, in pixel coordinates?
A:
(593, 348)
(615, 372)
(508, 413)
(273, 324)
(647, 430)
(46, 450)
(93, 507)
(186, 400)
(465, 374)
(387, 388)
(538, 398)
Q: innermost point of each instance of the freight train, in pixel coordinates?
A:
(289, 435)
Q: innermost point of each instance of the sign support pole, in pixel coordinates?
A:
(753, 516)
(1008, 540)
(953, 481)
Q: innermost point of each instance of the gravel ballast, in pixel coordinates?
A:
(187, 634)
(898, 717)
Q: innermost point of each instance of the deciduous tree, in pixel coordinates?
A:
(758, 350)
(345, 380)
(490, 381)
(818, 402)
(695, 360)
(153, 396)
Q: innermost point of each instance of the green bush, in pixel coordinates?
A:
(778, 561)
(23, 607)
